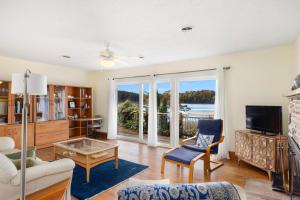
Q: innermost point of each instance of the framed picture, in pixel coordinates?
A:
(72, 104)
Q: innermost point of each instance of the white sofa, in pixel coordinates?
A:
(42, 175)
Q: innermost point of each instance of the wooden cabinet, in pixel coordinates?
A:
(15, 132)
(256, 149)
(47, 133)
(48, 115)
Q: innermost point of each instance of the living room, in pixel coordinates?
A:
(135, 96)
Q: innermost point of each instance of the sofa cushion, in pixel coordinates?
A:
(31, 153)
(199, 191)
(6, 143)
(7, 169)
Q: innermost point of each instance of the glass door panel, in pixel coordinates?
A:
(18, 109)
(3, 102)
(196, 101)
(42, 107)
(128, 110)
(59, 103)
(163, 112)
(145, 111)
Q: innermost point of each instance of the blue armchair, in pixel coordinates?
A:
(201, 146)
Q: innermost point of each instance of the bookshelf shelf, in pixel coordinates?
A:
(82, 98)
(47, 114)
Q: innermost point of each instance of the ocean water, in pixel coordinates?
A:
(200, 107)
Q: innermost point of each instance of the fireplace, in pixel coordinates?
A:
(294, 143)
(294, 167)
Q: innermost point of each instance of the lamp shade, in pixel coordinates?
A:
(36, 85)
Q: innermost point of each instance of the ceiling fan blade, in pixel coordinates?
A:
(122, 62)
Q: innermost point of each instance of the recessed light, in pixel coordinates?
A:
(141, 57)
(186, 28)
(66, 56)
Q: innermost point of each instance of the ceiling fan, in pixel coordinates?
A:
(108, 58)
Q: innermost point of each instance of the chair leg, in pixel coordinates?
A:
(163, 165)
(191, 173)
(218, 164)
(206, 164)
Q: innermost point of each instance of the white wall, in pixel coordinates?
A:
(298, 54)
(55, 74)
(256, 77)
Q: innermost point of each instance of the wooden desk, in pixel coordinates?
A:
(87, 120)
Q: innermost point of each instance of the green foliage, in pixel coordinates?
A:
(128, 115)
(195, 97)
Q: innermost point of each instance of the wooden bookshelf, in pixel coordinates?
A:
(48, 115)
(79, 106)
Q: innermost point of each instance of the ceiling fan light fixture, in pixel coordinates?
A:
(107, 63)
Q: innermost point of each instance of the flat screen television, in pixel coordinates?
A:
(267, 119)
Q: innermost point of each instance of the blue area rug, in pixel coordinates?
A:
(102, 177)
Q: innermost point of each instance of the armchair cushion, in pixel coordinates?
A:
(6, 143)
(47, 169)
(194, 147)
(182, 155)
(7, 169)
(211, 127)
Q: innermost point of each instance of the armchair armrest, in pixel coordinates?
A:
(6, 143)
(49, 168)
(168, 151)
(215, 144)
(189, 139)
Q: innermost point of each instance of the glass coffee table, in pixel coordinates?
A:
(87, 152)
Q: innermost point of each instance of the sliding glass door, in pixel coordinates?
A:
(196, 101)
(132, 110)
(163, 112)
(176, 105)
(128, 110)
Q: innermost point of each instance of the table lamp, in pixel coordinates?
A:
(27, 84)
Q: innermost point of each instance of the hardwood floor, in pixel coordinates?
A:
(141, 153)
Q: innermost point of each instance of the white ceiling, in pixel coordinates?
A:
(45, 30)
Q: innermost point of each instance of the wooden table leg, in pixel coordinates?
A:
(88, 169)
(88, 174)
(163, 161)
(116, 158)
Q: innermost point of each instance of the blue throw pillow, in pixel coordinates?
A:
(204, 140)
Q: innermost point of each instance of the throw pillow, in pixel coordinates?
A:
(30, 162)
(31, 153)
(204, 140)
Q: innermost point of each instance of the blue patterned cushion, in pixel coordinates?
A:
(204, 140)
(207, 191)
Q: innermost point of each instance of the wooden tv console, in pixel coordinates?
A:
(258, 150)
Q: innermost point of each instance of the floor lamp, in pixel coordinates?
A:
(27, 84)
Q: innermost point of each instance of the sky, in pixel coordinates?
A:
(165, 86)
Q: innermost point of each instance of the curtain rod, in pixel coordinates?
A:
(131, 77)
(183, 72)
